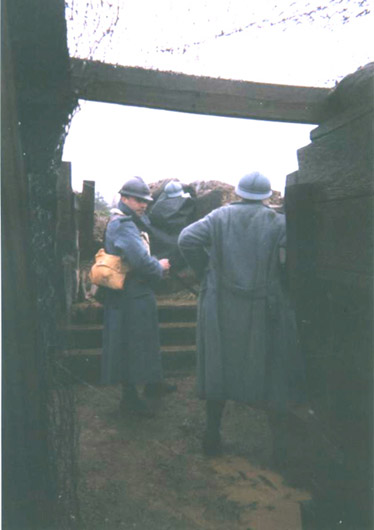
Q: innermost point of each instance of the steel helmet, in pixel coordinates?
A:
(173, 189)
(254, 186)
(136, 187)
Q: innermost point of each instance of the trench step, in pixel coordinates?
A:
(82, 337)
(83, 365)
(90, 336)
(176, 357)
(167, 312)
(184, 312)
(177, 333)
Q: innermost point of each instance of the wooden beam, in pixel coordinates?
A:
(95, 81)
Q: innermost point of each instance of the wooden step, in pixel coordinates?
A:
(84, 364)
(177, 333)
(177, 357)
(179, 311)
(82, 337)
(90, 336)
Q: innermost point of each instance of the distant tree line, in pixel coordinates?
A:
(101, 206)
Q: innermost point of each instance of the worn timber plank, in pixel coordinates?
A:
(340, 164)
(95, 81)
(344, 239)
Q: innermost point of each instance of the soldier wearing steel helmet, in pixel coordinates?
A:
(131, 346)
(246, 335)
(173, 210)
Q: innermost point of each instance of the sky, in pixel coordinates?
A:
(112, 143)
(305, 43)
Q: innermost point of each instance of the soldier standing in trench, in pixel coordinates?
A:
(131, 345)
(174, 209)
(246, 331)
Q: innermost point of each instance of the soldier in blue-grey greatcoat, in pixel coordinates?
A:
(131, 345)
(246, 334)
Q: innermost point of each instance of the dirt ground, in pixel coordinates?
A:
(150, 474)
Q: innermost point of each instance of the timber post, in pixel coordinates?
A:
(67, 247)
(86, 218)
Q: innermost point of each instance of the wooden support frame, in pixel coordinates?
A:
(95, 81)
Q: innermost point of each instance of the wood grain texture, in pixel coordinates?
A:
(340, 164)
(97, 81)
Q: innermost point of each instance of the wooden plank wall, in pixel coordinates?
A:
(36, 103)
(26, 480)
(330, 216)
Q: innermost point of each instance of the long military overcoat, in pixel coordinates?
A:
(172, 214)
(131, 345)
(246, 332)
(168, 216)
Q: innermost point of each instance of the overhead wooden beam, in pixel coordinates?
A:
(95, 81)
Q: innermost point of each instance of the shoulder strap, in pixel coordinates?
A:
(116, 211)
(115, 214)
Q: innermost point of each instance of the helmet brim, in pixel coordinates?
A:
(147, 198)
(253, 196)
(176, 194)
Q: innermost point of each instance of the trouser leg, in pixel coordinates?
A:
(129, 393)
(279, 429)
(132, 403)
(212, 438)
(159, 389)
(214, 411)
(290, 439)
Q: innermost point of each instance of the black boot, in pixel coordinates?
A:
(281, 434)
(211, 444)
(158, 389)
(131, 403)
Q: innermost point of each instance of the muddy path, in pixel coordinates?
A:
(150, 474)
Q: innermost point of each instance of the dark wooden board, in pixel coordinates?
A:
(97, 81)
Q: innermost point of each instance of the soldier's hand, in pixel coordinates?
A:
(165, 264)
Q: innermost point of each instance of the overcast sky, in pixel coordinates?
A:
(274, 42)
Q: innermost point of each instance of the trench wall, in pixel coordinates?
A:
(38, 424)
(330, 208)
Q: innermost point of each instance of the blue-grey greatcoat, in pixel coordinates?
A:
(131, 345)
(246, 331)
